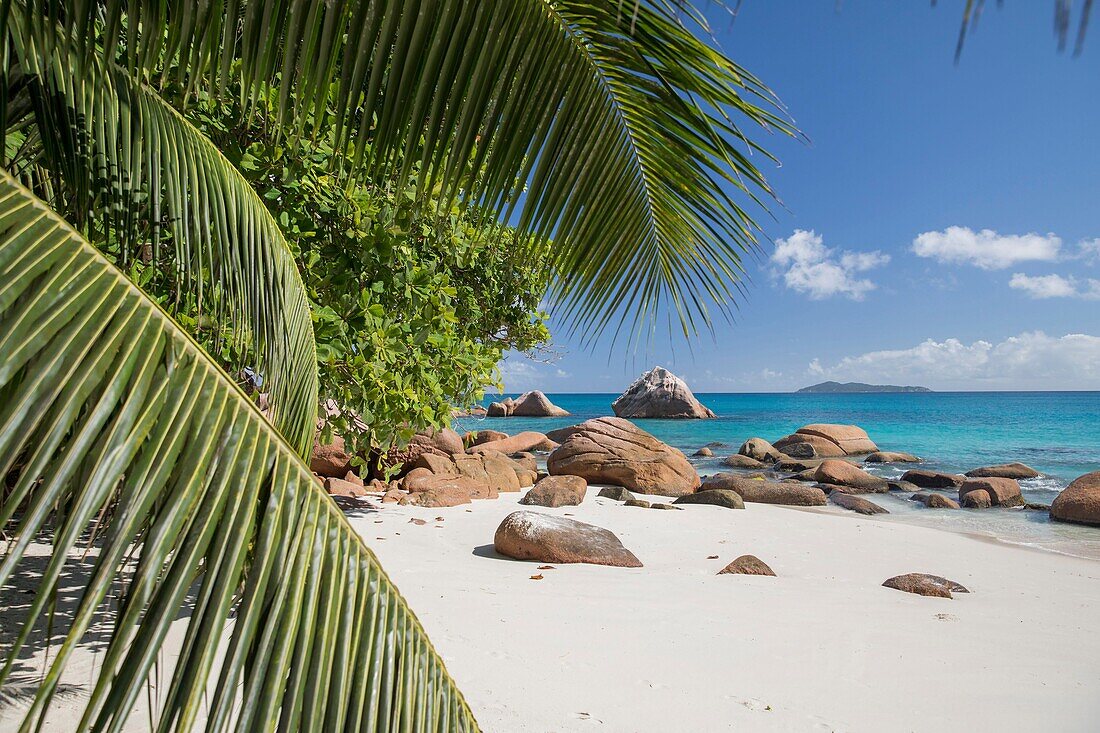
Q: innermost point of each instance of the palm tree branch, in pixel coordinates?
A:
(124, 143)
(134, 423)
(621, 135)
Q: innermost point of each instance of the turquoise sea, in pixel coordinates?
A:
(1057, 433)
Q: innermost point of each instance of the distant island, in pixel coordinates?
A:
(852, 387)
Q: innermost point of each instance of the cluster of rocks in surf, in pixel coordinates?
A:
(817, 464)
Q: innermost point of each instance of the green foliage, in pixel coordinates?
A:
(414, 301)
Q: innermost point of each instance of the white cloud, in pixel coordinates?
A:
(1089, 250)
(1027, 361)
(986, 249)
(522, 374)
(1055, 286)
(808, 266)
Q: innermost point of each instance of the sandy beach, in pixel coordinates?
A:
(823, 646)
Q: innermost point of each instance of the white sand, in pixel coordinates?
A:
(674, 647)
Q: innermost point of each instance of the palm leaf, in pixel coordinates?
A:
(123, 144)
(107, 409)
(615, 129)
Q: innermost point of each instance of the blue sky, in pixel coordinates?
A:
(942, 226)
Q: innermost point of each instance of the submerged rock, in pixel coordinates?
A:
(704, 452)
(610, 450)
(933, 479)
(1079, 502)
(856, 503)
(659, 393)
(794, 465)
(924, 584)
(747, 565)
(891, 457)
(739, 461)
(1004, 470)
(934, 501)
(525, 535)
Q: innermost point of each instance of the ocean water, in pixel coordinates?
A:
(1057, 433)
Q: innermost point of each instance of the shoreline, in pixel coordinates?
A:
(979, 535)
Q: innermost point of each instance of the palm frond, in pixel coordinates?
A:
(119, 144)
(109, 410)
(613, 126)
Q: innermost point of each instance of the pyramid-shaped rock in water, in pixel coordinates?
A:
(536, 404)
(659, 393)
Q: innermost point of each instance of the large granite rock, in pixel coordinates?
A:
(477, 437)
(1002, 491)
(824, 440)
(528, 440)
(856, 503)
(659, 393)
(715, 497)
(434, 462)
(1004, 470)
(924, 584)
(554, 491)
(933, 479)
(852, 439)
(456, 485)
(766, 492)
(760, 450)
(610, 450)
(842, 473)
(331, 459)
(442, 490)
(444, 441)
(795, 465)
(527, 535)
(535, 404)
(977, 499)
(799, 445)
(1079, 502)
